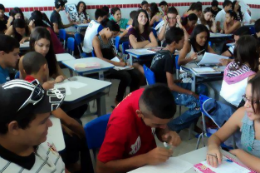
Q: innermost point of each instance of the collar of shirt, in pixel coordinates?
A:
(29, 78)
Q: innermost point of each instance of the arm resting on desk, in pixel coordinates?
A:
(230, 30)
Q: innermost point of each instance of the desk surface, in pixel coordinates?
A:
(82, 87)
(189, 66)
(140, 52)
(64, 57)
(55, 134)
(219, 35)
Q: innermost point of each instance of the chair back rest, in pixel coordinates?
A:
(78, 39)
(71, 44)
(149, 75)
(93, 53)
(125, 45)
(176, 62)
(252, 30)
(95, 131)
(62, 34)
(117, 40)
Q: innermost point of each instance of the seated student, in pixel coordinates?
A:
(214, 8)
(19, 30)
(9, 56)
(132, 16)
(189, 22)
(145, 6)
(237, 9)
(246, 120)
(83, 16)
(244, 30)
(198, 43)
(2, 27)
(35, 67)
(15, 13)
(129, 142)
(221, 16)
(207, 20)
(106, 10)
(163, 68)
(257, 29)
(24, 128)
(195, 8)
(104, 50)
(3, 17)
(56, 18)
(156, 15)
(231, 24)
(238, 72)
(164, 7)
(92, 30)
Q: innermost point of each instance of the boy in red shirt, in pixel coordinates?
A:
(129, 142)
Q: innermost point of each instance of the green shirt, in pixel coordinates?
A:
(122, 23)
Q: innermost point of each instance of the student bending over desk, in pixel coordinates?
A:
(129, 142)
(231, 24)
(246, 119)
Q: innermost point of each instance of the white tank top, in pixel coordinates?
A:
(191, 52)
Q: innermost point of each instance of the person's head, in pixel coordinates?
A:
(190, 21)
(40, 41)
(25, 119)
(144, 5)
(100, 15)
(81, 7)
(35, 64)
(39, 19)
(227, 5)
(154, 9)
(156, 106)
(16, 13)
(174, 38)
(200, 36)
(2, 10)
(207, 14)
(257, 26)
(243, 30)
(60, 4)
(235, 6)
(9, 51)
(164, 6)
(141, 20)
(133, 14)
(106, 10)
(111, 28)
(20, 29)
(2, 27)
(196, 7)
(116, 12)
(214, 5)
(171, 16)
(230, 16)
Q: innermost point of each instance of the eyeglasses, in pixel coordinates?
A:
(249, 100)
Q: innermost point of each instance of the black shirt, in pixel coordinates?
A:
(214, 13)
(162, 62)
(55, 18)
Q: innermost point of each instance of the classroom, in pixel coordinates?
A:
(135, 86)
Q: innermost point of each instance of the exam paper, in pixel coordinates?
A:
(115, 59)
(70, 84)
(211, 59)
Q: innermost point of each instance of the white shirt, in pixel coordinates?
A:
(221, 18)
(93, 29)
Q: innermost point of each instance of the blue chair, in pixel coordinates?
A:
(78, 41)
(125, 46)
(71, 45)
(93, 53)
(63, 36)
(17, 75)
(252, 30)
(117, 40)
(210, 44)
(177, 67)
(154, 33)
(149, 75)
(95, 132)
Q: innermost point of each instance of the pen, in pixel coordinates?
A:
(168, 146)
(200, 51)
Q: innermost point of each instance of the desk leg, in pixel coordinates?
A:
(101, 102)
(130, 60)
(193, 84)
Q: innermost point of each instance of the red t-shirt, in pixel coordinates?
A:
(29, 78)
(126, 134)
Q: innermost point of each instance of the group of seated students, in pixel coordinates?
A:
(129, 142)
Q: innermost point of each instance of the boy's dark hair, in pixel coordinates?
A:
(114, 10)
(8, 44)
(105, 9)
(196, 6)
(172, 10)
(158, 100)
(174, 34)
(197, 30)
(59, 3)
(144, 2)
(20, 23)
(2, 7)
(32, 62)
(99, 13)
(136, 24)
(190, 17)
(163, 3)
(2, 27)
(214, 3)
(255, 84)
(257, 26)
(226, 3)
(133, 14)
(112, 25)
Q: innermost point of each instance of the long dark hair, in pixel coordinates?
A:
(37, 34)
(232, 14)
(84, 9)
(20, 23)
(239, 10)
(154, 9)
(40, 19)
(190, 17)
(197, 30)
(247, 51)
(136, 24)
(15, 11)
(255, 83)
(202, 18)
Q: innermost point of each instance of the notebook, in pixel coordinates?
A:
(206, 70)
(211, 59)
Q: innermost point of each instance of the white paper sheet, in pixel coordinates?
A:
(115, 59)
(70, 84)
(173, 165)
(205, 70)
(210, 58)
(123, 68)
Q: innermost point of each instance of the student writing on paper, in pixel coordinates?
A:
(238, 72)
(163, 68)
(189, 22)
(36, 67)
(246, 119)
(231, 24)
(129, 142)
(198, 42)
(104, 50)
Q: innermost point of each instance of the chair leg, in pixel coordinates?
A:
(198, 141)
(92, 155)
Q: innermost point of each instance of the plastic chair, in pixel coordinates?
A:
(252, 30)
(17, 75)
(154, 33)
(177, 67)
(95, 132)
(117, 40)
(78, 41)
(63, 36)
(93, 53)
(125, 45)
(149, 75)
(71, 45)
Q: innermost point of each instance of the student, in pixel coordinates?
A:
(163, 68)
(214, 8)
(92, 30)
(246, 120)
(116, 16)
(189, 22)
(106, 10)
(83, 16)
(221, 16)
(195, 8)
(132, 16)
(156, 15)
(198, 42)
(104, 50)
(244, 30)
(15, 13)
(257, 29)
(237, 9)
(19, 30)
(24, 128)
(3, 17)
(129, 142)
(231, 23)
(207, 20)
(2, 27)
(238, 72)
(164, 7)
(9, 55)
(145, 6)
(56, 18)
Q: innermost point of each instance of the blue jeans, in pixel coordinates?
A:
(189, 101)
